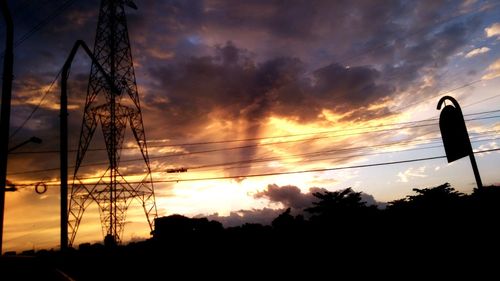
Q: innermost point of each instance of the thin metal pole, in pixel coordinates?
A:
(63, 130)
(476, 171)
(8, 69)
(63, 143)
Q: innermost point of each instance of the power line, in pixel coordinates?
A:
(312, 133)
(439, 94)
(263, 160)
(320, 170)
(25, 37)
(37, 106)
(224, 149)
(43, 23)
(266, 138)
(286, 136)
(290, 172)
(323, 153)
(319, 153)
(322, 132)
(130, 160)
(481, 101)
(172, 155)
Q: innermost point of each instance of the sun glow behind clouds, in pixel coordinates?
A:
(223, 196)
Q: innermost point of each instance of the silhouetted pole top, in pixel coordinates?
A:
(455, 137)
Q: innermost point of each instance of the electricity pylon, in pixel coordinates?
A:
(113, 109)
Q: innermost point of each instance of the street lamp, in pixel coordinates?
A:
(9, 186)
(63, 133)
(8, 66)
(32, 139)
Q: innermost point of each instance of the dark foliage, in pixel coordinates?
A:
(435, 230)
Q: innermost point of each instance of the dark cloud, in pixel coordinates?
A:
(292, 197)
(230, 86)
(288, 195)
(237, 87)
(349, 87)
(262, 216)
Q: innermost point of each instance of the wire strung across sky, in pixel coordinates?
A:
(439, 94)
(280, 173)
(288, 136)
(370, 147)
(251, 161)
(36, 107)
(58, 11)
(322, 152)
(301, 161)
(25, 37)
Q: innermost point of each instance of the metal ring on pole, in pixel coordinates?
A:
(40, 188)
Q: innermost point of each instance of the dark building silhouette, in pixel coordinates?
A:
(181, 226)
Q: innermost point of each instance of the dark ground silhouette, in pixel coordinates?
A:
(436, 231)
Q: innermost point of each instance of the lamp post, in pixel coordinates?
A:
(8, 69)
(8, 185)
(32, 139)
(63, 131)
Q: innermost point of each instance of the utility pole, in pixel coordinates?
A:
(63, 133)
(63, 154)
(8, 68)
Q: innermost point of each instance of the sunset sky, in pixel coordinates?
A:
(237, 89)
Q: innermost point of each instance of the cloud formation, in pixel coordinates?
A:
(412, 173)
(289, 196)
(493, 71)
(237, 218)
(493, 30)
(477, 51)
(292, 197)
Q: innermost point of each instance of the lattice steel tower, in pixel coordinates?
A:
(113, 108)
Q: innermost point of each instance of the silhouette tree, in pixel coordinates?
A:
(286, 222)
(341, 215)
(430, 199)
(434, 217)
(483, 209)
(331, 204)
